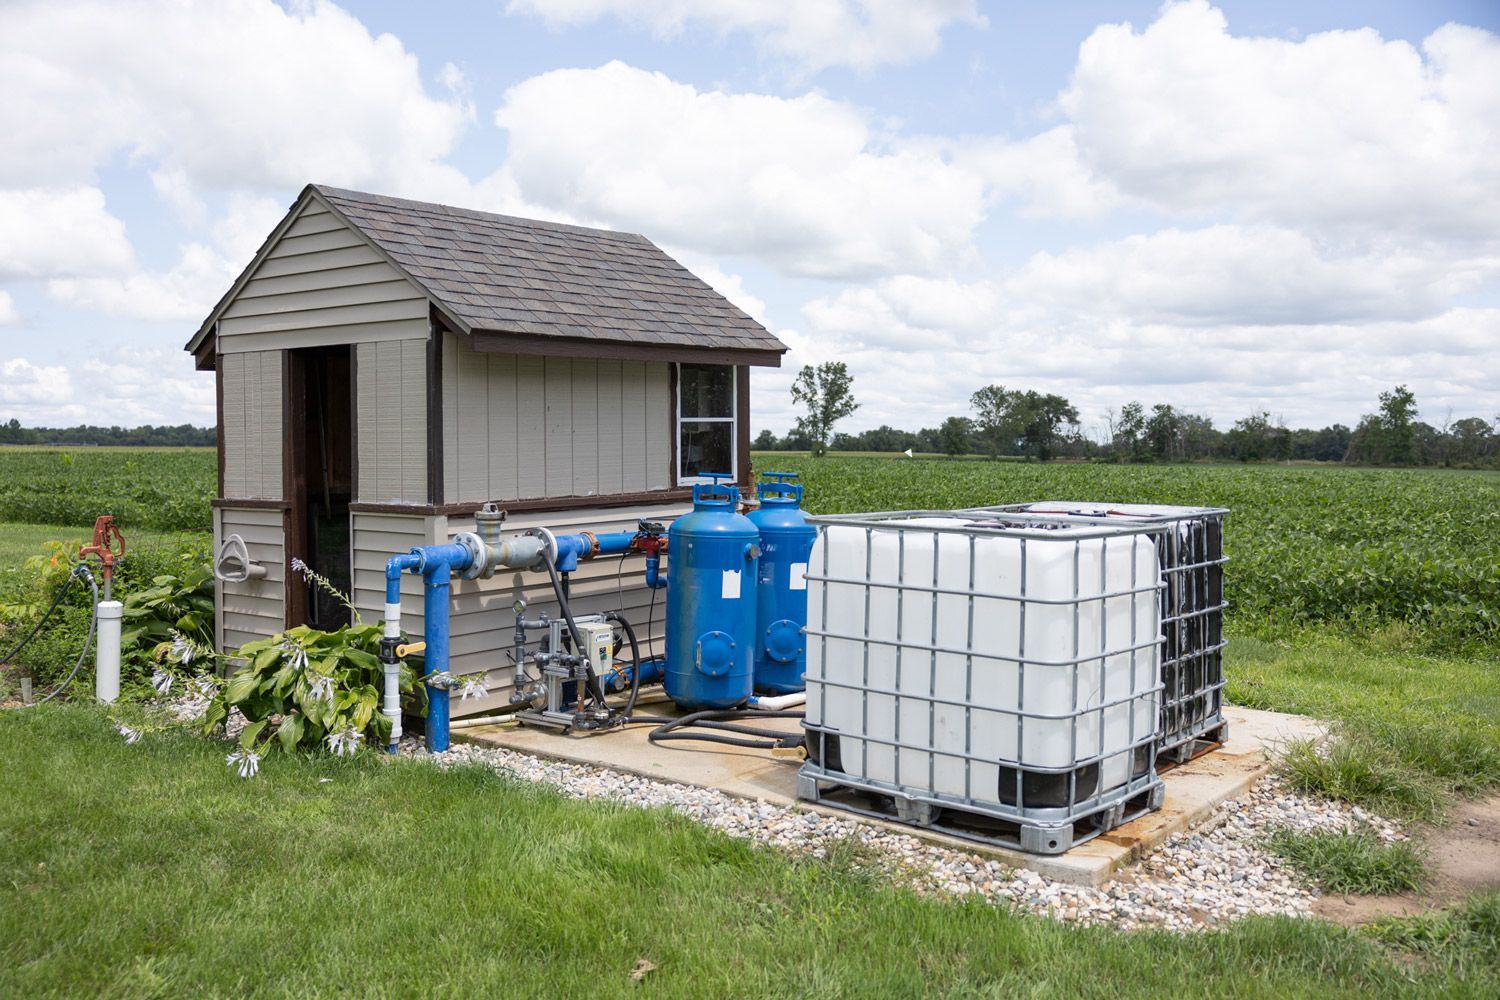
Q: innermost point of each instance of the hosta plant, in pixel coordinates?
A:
(304, 689)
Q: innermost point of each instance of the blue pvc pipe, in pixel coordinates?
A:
(435, 608)
(652, 670)
(655, 578)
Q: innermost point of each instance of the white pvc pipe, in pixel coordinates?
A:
(481, 720)
(776, 703)
(107, 651)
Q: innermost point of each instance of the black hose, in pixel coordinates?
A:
(635, 658)
(81, 570)
(718, 720)
(595, 688)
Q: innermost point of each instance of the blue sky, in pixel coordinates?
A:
(1234, 207)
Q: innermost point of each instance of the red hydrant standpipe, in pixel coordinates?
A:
(108, 612)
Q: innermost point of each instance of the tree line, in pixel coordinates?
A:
(1004, 422)
(182, 435)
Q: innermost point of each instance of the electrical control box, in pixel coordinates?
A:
(599, 642)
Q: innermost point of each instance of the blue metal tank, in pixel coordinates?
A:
(714, 554)
(786, 539)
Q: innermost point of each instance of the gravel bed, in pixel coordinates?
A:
(1203, 877)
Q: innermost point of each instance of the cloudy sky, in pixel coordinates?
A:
(1281, 206)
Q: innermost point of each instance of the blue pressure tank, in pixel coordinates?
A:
(714, 553)
(786, 539)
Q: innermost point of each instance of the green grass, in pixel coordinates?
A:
(151, 870)
(1412, 729)
(1461, 941)
(1358, 862)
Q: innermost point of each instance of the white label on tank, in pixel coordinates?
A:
(731, 589)
(798, 576)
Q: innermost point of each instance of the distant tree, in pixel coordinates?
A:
(1164, 433)
(1257, 438)
(826, 391)
(954, 436)
(1471, 437)
(1011, 420)
(764, 441)
(1398, 412)
(991, 417)
(1128, 432)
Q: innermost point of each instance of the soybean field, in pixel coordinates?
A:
(1368, 547)
(161, 489)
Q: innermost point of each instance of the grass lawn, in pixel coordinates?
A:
(152, 870)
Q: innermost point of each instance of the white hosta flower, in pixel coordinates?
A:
(162, 681)
(206, 686)
(183, 651)
(472, 687)
(298, 566)
(294, 654)
(346, 743)
(131, 735)
(321, 689)
(248, 762)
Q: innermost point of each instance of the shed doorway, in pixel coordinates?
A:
(320, 435)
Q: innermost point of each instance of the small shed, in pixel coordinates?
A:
(386, 366)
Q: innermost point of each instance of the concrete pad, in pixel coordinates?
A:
(1194, 789)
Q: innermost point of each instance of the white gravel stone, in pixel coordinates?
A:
(1206, 876)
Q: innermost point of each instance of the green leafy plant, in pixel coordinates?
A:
(305, 689)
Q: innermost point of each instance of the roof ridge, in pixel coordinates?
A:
(435, 207)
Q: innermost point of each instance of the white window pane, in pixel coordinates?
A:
(705, 448)
(706, 390)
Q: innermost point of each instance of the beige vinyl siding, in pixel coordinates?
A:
(321, 284)
(482, 623)
(391, 411)
(252, 422)
(373, 539)
(254, 609)
(519, 427)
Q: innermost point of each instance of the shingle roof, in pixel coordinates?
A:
(497, 273)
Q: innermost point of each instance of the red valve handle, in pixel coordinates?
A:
(106, 531)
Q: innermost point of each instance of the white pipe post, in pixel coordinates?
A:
(107, 651)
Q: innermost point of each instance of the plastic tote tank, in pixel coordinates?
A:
(994, 677)
(1192, 558)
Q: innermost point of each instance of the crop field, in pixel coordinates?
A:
(1368, 546)
(162, 489)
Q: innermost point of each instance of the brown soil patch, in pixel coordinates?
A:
(1463, 857)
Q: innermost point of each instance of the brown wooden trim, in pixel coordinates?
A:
(742, 428)
(219, 427)
(498, 342)
(529, 504)
(293, 480)
(435, 409)
(353, 427)
(247, 503)
(674, 426)
(206, 357)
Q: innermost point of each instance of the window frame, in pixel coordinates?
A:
(733, 420)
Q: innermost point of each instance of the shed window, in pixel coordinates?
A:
(705, 421)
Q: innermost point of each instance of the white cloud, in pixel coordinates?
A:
(1341, 128)
(233, 93)
(807, 184)
(59, 232)
(8, 314)
(1245, 275)
(187, 290)
(813, 34)
(124, 387)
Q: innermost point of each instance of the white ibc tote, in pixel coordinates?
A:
(1005, 667)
